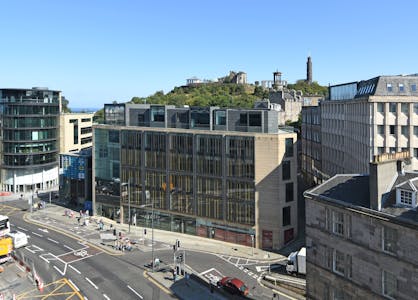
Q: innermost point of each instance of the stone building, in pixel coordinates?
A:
(75, 131)
(226, 174)
(367, 118)
(362, 233)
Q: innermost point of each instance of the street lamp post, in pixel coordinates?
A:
(252, 245)
(152, 231)
(129, 205)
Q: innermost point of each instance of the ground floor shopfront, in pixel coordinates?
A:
(146, 217)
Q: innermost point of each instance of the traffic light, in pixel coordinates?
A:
(145, 231)
(178, 243)
(180, 258)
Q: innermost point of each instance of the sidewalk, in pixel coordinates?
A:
(188, 242)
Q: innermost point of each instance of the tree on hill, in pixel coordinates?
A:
(309, 89)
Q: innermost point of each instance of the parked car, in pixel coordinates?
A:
(20, 239)
(234, 286)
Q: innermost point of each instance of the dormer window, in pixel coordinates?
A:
(405, 197)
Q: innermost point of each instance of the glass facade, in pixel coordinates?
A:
(30, 123)
(192, 179)
(29, 132)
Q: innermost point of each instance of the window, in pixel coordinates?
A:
(380, 150)
(380, 107)
(289, 147)
(255, 119)
(338, 222)
(415, 152)
(392, 107)
(401, 87)
(286, 215)
(405, 130)
(338, 262)
(286, 170)
(416, 108)
(405, 108)
(243, 119)
(289, 192)
(389, 239)
(392, 149)
(405, 197)
(389, 284)
(413, 87)
(381, 129)
(389, 87)
(392, 129)
(416, 131)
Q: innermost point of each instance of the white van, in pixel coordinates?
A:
(20, 239)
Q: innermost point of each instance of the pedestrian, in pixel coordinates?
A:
(174, 275)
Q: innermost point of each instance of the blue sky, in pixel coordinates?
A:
(98, 51)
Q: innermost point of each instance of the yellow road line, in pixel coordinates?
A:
(159, 285)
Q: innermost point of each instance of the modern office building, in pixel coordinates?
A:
(76, 131)
(362, 233)
(29, 139)
(76, 178)
(226, 174)
(367, 118)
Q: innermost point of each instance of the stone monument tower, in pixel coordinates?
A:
(309, 70)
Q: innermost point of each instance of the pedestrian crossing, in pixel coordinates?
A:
(242, 264)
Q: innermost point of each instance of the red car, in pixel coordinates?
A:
(234, 286)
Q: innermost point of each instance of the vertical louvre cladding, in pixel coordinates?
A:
(198, 174)
(155, 150)
(181, 152)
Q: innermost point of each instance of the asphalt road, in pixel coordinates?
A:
(98, 275)
(94, 273)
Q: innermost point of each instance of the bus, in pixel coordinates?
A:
(4, 225)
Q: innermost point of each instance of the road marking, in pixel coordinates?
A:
(43, 230)
(59, 271)
(75, 269)
(37, 234)
(106, 297)
(135, 292)
(255, 276)
(250, 273)
(69, 248)
(76, 287)
(54, 241)
(207, 271)
(44, 258)
(91, 282)
(21, 228)
(241, 267)
(245, 270)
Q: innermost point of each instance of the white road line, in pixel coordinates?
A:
(21, 228)
(37, 234)
(255, 276)
(76, 287)
(91, 282)
(44, 259)
(59, 271)
(54, 241)
(241, 267)
(106, 297)
(69, 248)
(75, 269)
(245, 270)
(135, 292)
(207, 271)
(250, 273)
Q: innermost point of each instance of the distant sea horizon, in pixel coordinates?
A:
(84, 109)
